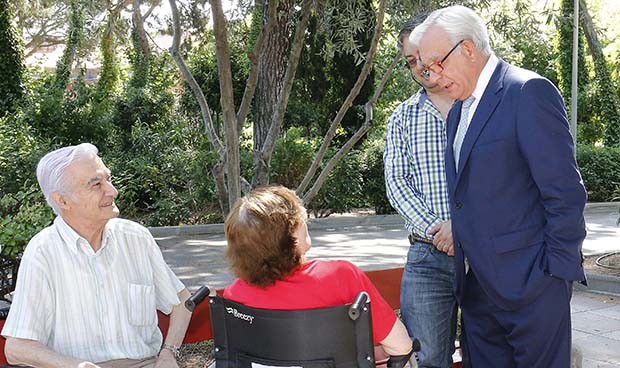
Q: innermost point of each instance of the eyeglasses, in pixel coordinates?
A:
(437, 66)
(409, 68)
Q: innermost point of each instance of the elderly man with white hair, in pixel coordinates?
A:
(515, 192)
(89, 286)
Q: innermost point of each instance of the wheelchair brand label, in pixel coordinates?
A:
(237, 314)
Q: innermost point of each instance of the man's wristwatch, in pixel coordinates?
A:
(176, 350)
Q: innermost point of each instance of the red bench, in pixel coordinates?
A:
(386, 281)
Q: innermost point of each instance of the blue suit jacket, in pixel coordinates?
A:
(517, 198)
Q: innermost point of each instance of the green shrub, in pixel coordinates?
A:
(342, 191)
(23, 210)
(147, 98)
(600, 169)
(20, 150)
(292, 156)
(65, 117)
(374, 178)
(164, 177)
(23, 214)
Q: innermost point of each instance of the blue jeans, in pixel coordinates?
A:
(428, 304)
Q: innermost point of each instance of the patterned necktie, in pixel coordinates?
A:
(462, 129)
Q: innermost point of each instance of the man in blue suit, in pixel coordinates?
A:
(516, 196)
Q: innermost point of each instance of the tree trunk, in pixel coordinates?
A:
(74, 38)
(255, 62)
(226, 171)
(139, 28)
(108, 77)
(262, 156)
(219, 176)
(273, 60)
(227, 101)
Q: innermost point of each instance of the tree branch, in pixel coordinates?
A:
(348, 101)
(589, 31)
(43, 38)
(227, 102)
(45, 41)
(149, 11)
(121, 5)
(205, 112)
(368, 108)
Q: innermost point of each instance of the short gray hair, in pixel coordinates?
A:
(460, 23)
(51, 170)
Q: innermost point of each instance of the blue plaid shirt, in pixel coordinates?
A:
(415, 174)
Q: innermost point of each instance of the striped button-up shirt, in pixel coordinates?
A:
(96, 306)
(415, 174)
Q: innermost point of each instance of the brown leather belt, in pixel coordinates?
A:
(415, 238)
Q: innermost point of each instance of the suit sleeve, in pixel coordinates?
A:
(547, 145)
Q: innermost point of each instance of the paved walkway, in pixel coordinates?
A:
(196, 254)
(603, 233)
(596, 329)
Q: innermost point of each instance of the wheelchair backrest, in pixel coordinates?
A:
(334, 337)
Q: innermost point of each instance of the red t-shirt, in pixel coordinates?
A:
(317, 284)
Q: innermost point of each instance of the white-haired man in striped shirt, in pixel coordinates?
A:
(89, 286)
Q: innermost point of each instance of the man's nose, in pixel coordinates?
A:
(110, 189)
(433, 77)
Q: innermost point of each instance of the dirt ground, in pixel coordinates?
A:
(612, 262)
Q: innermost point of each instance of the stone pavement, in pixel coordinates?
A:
(603, 233)
(596, 329)
(196, 254)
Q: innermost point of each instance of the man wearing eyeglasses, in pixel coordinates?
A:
(417, 189)
(516, 196)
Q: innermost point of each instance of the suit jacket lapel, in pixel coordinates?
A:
(452, 123)
(488, 102)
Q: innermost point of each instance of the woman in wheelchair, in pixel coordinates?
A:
(267, 242)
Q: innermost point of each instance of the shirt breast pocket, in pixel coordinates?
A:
(142, 305)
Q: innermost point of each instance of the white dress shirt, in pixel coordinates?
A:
(481, 84)
(95, 306)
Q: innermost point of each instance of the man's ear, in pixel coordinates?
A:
(469, 49)
(60, 200)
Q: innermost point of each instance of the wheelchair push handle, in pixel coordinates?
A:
(358, 304)
(197, 298)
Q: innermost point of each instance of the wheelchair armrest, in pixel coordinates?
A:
(197, 298)
(399, 361)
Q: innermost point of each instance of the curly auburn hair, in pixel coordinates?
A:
(259, 231)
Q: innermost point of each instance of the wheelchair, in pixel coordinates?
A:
(333, 337)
